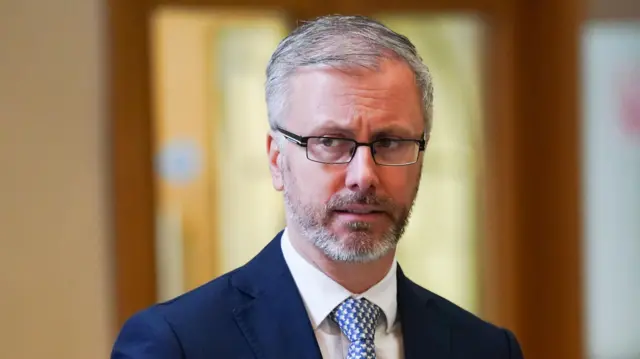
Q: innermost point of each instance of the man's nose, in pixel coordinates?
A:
(362, 173)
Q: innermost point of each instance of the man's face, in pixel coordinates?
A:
(353, 212)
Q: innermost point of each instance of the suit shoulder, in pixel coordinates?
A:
(474, 334)
(215, 295)
(146, 335)
(214, 298)
(454, 313)
(199, 321)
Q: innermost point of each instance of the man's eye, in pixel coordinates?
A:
(328, 142)
(386, 143)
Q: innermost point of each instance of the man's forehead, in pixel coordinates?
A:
(356, 70)
(329, 97)
(325, 86)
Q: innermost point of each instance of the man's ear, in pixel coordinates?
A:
(274, 153)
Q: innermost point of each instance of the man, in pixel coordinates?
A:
(350, 109)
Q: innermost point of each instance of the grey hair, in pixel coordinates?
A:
(343, 42)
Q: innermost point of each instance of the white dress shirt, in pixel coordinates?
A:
(321, 295)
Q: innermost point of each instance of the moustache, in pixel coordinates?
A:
(384, 204)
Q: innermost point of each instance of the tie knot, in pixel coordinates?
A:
(357, 318)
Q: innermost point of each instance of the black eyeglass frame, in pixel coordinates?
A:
(303, 141)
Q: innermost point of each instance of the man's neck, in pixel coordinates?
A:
(357, 278)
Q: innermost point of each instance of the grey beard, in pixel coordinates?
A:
(361, 247)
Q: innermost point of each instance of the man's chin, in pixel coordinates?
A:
(357, 249)
(360, 238)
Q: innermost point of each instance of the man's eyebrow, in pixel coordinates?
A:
(395, 130)
(332, 126)
(386, 130)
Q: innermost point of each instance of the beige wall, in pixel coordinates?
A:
(55, 281)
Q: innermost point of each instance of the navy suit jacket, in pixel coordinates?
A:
(256, 312)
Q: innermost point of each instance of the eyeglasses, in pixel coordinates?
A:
(336, 150)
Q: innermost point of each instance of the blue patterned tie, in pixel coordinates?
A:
(357, 319)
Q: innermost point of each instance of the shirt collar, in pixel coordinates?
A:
(322, 294)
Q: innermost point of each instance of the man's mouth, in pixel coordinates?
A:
(360, 210)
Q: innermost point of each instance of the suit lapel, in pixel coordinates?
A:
(274, 319)
(425, 334)
(276, 325)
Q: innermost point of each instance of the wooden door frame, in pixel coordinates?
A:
(532, 274)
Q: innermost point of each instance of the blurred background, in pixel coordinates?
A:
(133, 167)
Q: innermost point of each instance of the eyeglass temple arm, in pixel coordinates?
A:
(293, 137)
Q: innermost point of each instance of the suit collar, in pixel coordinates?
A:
(273, 319)
(426, 334)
